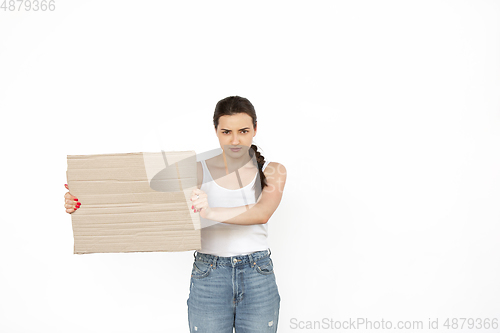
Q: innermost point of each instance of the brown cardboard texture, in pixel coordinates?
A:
(120, 212)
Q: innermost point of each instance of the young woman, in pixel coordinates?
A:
(232, 279)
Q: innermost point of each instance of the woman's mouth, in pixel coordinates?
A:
(235, 149)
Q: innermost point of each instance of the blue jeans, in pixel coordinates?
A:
(238, 291)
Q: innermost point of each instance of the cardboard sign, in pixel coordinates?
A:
(134, 202)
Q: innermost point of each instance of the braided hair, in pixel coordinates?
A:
(235, 104)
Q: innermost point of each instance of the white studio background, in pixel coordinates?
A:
(386, 115)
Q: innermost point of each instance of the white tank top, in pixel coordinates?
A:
(227, 239)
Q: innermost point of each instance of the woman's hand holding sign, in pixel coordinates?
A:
(71, 202)
(200, 203)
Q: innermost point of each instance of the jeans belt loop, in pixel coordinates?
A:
(251, 259)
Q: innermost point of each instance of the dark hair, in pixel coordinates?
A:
(235, 104)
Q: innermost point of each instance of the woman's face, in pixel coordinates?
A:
(236, 131)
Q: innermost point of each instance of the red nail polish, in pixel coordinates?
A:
(76, 199)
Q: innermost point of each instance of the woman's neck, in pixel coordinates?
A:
(232, 164)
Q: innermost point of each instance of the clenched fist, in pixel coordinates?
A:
(200, 202)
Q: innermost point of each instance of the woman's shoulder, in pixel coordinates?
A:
(273, 167)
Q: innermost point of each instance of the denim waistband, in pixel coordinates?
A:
(234, 260)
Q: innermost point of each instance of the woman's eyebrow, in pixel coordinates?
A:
(225, 129)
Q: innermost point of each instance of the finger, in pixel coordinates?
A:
(66, 185)
(72, 204)
(70, 210)
(70, 196)
(194, 194)
(195, 207)
(199, 202)
(72, 201)
(199, 194)
(198, 191)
